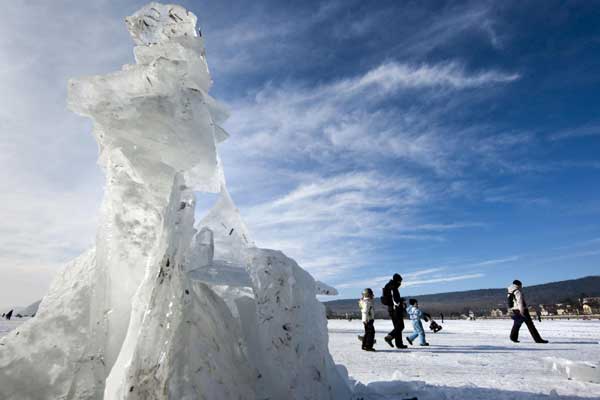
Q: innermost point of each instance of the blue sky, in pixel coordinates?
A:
(455, 143)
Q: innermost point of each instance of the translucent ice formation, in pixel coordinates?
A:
(160, 309)
(578, 370)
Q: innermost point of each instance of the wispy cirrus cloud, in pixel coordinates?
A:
(592, 129)
(345, 118)
(451, 278)
(336, 224)
(418, 278)
(391, 76)
(338, 211)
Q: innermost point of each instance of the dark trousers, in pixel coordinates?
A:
(518, 319)
(369, 337)
(398, 321)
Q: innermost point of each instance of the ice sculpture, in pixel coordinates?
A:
(160, 309)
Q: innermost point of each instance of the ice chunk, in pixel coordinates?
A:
(292, 331)
(203, 249)
(325, 290)
(230, 232)
(182, 342)
(156, 23)
(578, 370)
(48, 357)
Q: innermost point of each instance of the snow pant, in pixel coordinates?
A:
(518, 319)
(398, 321)
(369, 337)
(417, 331)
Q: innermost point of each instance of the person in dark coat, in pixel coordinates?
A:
(395, 304)
(9, 315)
(520, 313)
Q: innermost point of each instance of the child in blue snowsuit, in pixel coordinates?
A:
(415, 315)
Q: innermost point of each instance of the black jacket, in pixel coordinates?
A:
(390, 291)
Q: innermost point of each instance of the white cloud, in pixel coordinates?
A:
(496, 261)
(576, 132)
(345, 119)
(451, 278)
(417, 278)
(391, 76)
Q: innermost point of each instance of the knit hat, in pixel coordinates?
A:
(397, 278)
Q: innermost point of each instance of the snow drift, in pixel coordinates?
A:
(160, 309)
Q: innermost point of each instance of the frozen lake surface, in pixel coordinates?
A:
(470, 360)
(467, 360)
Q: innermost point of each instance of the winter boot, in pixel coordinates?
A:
(388, 340)
(361, 337)
(401, 345)
(368, 349)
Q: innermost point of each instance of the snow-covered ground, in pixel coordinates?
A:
(470, 360)
(466, 360)
(7, 326)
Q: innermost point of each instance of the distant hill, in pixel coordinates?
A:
(481, 301)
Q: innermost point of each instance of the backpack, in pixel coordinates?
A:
(510, 299)
(386, 299)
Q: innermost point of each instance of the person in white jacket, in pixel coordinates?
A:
(367, 310)
(520, 313)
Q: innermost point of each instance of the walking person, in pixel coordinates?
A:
(395, 304)
(367, 310)
(520, 313)
(415, 315)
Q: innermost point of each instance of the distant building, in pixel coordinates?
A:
(591, 305)
(547, 309)
(565, 309)
(532, 310)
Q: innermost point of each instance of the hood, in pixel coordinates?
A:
(513, 288)
(394, 283)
